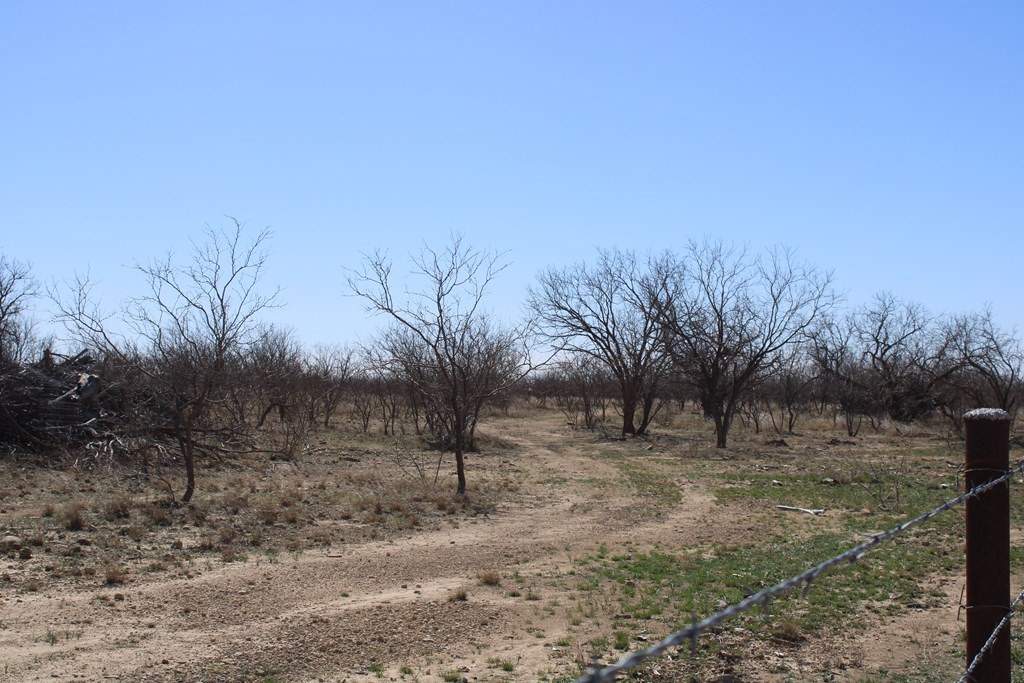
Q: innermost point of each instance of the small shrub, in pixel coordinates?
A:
(491, 578)
(118, 507)
(158, 514)
(197, 513)
(459, 595)
(290, 497)
(74, 516)
(788, 631)
(114, 575)
(267, 514)
(227, 534)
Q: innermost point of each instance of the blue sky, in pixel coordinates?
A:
(881, 140)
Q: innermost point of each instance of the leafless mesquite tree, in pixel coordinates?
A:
(181, 334)
(602, 312)
(329, 369)
(843, 380)
(455, 357)
(17, 289)
(727, 316)
(901, 359)
(992, 357)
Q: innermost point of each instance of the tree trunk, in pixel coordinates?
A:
(188, 452)
(460, 463)
(723, 420)
(629, 400)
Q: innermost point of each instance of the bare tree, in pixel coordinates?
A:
(329, 370)
(582, 390)
(993, 357)
(844, 380)
(789, 388)
(183, 331)
(904, 354)
(456, 357)
(727, 316)
(272, 363)
(602, 313)
(17, 289)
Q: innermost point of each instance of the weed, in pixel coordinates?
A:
(503, 664)
(490, 578)
(459, 595)
(113, 575)
(158, 514)
(74, 516)
(267, 514)
(118, 507)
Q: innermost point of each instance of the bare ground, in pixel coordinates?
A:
(413, 605)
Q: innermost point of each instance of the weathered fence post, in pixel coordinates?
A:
(988, 542)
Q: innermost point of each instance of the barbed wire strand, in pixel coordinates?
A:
(969, 674)
(598, 674)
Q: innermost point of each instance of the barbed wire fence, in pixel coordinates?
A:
(689, 635)
(990, 643)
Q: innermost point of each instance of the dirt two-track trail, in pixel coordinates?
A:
(381, 610)
(339, 614)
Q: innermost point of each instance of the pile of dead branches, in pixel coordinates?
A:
(55, 401)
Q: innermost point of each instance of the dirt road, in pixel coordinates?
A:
(355, 610)
(482, 598)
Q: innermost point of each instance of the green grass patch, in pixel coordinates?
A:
(671, 588)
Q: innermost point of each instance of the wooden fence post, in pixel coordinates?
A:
(988, 542)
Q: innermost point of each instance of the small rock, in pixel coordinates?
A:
(25, 554)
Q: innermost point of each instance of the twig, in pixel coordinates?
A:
(795, 509)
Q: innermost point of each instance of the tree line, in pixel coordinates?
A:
(189, 367)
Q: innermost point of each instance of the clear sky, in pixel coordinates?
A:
(882, 140)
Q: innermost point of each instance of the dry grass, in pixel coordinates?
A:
(118, 507)
(245, 507)
(491, 578)
(73, 516)
(114, 575)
